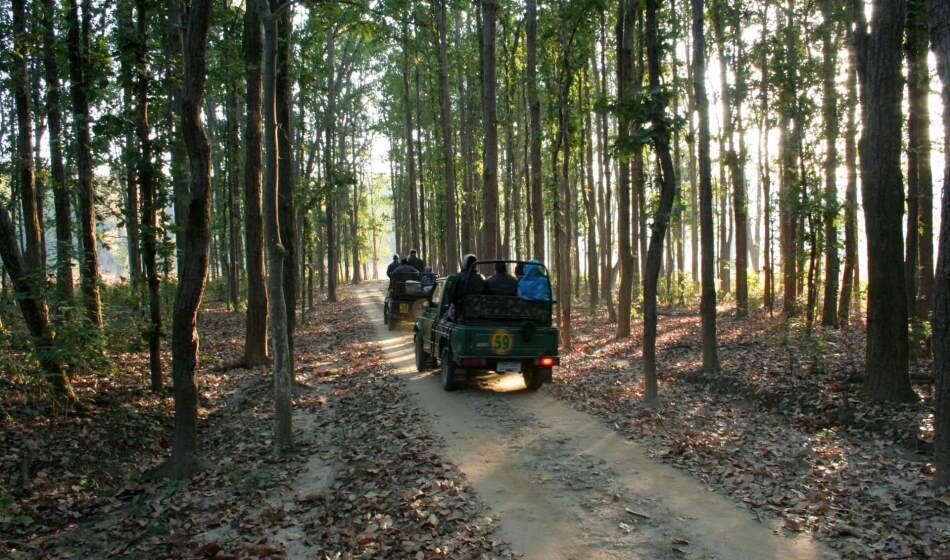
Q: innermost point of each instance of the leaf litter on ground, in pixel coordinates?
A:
(365, 478)
(783, 428)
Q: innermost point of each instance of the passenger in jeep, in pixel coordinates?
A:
(402, 273)
(392, 266)
(501, 283)
(467, 281)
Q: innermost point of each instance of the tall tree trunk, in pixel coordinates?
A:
(78, 60)
(184, 459)
(178, 162)
(534, 108)
(24, 160)
(127, 43)
(604, 176)
(64, 243)
(330, 172)
(727, 159)
(919, 261)
(286, 173)
(255, 335)
(410, 151)
(708, 297)
(737, 162)
(626, 20)
(829, 312)
(940, 39)
(849, 279)
(879, 72)
(590, 203)
(279, 324)
(448, 146)
(789, 190)
(562, 201)
(490, 232)
(765, 175)
(354, 233)
(467, 233)
(147, 182)
(234, 170)
(693, 178)
(662, 216)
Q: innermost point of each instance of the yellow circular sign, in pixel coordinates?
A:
(501, 342)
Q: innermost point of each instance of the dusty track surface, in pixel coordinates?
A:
(563, 485)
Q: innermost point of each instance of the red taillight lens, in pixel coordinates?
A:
(472, 362)
(547, 362)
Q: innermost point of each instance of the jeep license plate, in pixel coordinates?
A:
(404, 308)
(509, 366)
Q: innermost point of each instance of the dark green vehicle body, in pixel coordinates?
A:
(488, 333)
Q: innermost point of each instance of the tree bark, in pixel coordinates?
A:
(286, 173)
(765, 175)
(255, 335)
(25, 171)
(329, 172)
(147, 183)
(233, 170)
(78, 60)
(534, 108)
(940, 41)
(849, 281)
(178, 160)
(64, 243)
(626, 21)
(276, 253)
(590, 203)
(829, 311)
(737, 162)
(662, 216)
(708, 297)
(184, 460)
(879, 72)
(128, 47)
(604, 176)
(448, 146)
(490, 231)
(918, 270)
(410, 150)
(789, 191)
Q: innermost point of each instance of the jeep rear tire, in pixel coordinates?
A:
(448, 371)
(533, 378)
(422, 358)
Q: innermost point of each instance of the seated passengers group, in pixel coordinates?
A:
(529, 282)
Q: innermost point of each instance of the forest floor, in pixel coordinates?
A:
(777, 457)
(783, 429)
(365, 478)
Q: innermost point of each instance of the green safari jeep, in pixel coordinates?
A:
(486, 333)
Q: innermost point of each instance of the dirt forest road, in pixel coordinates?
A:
(563, 485)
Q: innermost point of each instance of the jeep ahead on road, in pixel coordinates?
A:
(480, 332)
(406, 298)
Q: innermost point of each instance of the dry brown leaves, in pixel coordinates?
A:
(389, 493)
(783, 429)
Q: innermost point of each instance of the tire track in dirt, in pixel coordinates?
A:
(563, 485)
